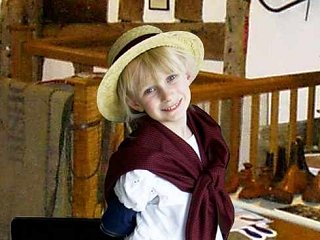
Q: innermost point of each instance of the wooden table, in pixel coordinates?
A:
(287, 226)
(288, 231)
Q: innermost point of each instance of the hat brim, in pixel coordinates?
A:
(107, 99)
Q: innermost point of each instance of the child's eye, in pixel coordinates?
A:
(171, 77)
(149, 91)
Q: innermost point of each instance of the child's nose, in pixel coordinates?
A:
(166, 95)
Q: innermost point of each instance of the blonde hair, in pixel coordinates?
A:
(149, 65)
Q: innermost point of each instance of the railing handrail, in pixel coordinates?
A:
(205, 89)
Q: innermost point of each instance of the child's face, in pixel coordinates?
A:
(165, 99)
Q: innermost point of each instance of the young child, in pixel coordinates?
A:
(166, 179)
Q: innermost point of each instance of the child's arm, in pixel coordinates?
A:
(132, 193)
(118, 221)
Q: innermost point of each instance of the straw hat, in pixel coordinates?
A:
(128, 46)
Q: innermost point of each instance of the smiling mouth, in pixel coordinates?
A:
(173, 107)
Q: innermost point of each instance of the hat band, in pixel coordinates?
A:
(132, 44)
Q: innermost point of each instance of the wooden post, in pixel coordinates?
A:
(236, 33)
(20, 22)
(21, 62)
(86, 149)
(90, 161)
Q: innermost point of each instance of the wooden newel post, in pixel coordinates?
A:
(94, 140)
(87, 136)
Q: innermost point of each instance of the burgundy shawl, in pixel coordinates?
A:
(155, 148)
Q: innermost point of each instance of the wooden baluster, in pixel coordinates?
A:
(214, 110)
(310, 117)
(254, 129)
(274, 127)
(292, 127)
(235, 134)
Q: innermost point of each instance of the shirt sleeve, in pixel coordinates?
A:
(136, 189)
(118, 221)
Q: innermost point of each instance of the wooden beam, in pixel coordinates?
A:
(84, 35)
(189, 10)
(131, 10)
(73, 11)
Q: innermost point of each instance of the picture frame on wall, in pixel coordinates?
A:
(159, 5)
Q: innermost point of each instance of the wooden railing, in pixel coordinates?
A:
(213, 88)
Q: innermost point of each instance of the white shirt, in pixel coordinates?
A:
(162, 207)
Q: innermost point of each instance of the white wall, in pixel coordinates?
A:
(281, 43)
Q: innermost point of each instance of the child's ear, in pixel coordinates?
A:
(132, 103)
